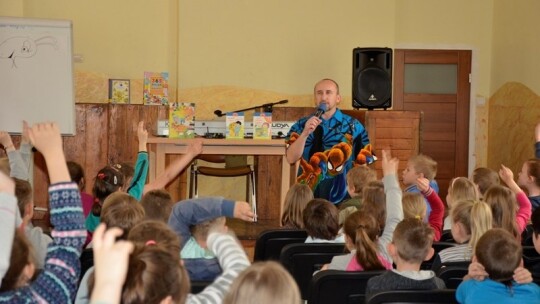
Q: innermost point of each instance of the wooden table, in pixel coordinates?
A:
(159, 147)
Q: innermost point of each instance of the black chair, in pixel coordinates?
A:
(87, 261)
(302, 260)
(533, 265)
(438, 247)
(446, 236)
(453, 275)
(270, 242)
(526, 236)
(336, 286)
(530, 252)
(439, 296)
(198, 286)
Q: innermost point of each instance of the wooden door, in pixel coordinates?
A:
(437, 82)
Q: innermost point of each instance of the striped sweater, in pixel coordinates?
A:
(58, 281)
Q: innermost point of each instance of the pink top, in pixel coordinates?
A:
(524, 213)
(436, 216)
(355, 266)
(87, 202)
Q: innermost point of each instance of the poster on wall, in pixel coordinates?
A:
(156, 88)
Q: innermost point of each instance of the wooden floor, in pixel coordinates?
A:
(247, 232)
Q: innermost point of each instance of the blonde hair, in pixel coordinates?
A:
(295, 202)
(474, 216)
(461, 188)
(414, 206)
(425, 165)
(264, 283)
(359, 177)
(374, 202)
(503, 207)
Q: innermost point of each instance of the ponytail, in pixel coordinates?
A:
(481, 221)
(364, 230)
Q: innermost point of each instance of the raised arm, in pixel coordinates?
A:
(141, 166)
(172, 171)
(8, 210)
(525, 209)
(18, 168)
(437, 207)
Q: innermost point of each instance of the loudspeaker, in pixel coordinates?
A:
(372, 78)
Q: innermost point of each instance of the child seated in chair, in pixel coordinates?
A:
(192, 220)
(321, 222)
(500, 254)
(411, 245)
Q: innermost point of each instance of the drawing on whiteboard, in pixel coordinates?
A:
(24, 47)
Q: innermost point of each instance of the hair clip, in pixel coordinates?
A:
(115, 180)
(101, 176)
(418, 217)
(117, 166)
(150, 242)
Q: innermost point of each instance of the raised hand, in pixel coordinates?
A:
(242, 210)
(25, 138)
(389, 164)
(46, 138)
(6, 141)
(142, 136)
(423, 184)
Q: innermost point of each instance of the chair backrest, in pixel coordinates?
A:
(336, 286)
(437, 246)
(270, 242)
(453, 275)
(302, 260)
(441, 296)
(198, 286)
(530, 252)
(446, 236)
(87, 260)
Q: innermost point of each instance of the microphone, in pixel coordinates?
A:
(320, 110)
(218, 113)
(282, 101)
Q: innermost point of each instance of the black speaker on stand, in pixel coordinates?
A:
(372, 78)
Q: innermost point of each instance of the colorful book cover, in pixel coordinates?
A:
(182, 120)
(119, 91)
(235, 125)
(156, 88)
(262, 125)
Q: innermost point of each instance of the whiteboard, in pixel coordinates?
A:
(36, 73)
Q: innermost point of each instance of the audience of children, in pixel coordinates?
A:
(459, 189)
(321, 222)
(357, 178)
(264, 283)
(484, 178)
(420, 166)
(470, 220)
(295, 202)
(361, 239)
(414, 206)
(157, 205)
(499, 253)
(411, 245)
(529, 178)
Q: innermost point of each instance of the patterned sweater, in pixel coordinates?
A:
(58, 281)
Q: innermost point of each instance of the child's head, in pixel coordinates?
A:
(535, 219)
(264, 283)
(529, 177)
(459, 189)
(201, 230)
(127, 171)
(157, 205)
(485, 178)
(155, 232)
(504, 208)
(419, 166)
(358, 177)
(121, 210)
(411, 242)
(361, 233)
(155, 274)
(374, 202)
(470, 220)
(76, 173)
(295, 202)
(500, 254)
(321, 219)
(107, 181)
(414, 206)
(23, 192)
(21, 264)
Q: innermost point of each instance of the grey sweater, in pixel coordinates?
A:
(394, 280)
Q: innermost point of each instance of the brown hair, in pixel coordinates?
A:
(461, 188)
(121, 210)
(157, 231)
(23, 192)
(363, 229)
(374, 202)
(533, 170)
(108, 180)
(485, 178)
(295, 202)
(21, 255)
(76, 173)
(414, 205)
(359, 177)
(264, 283)
(127, 171)
(424, 164)
(321, 219)
(200, 231)
(157, 205)
(503, 207)
(413, 240)
(154, 273)
(500, 254)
